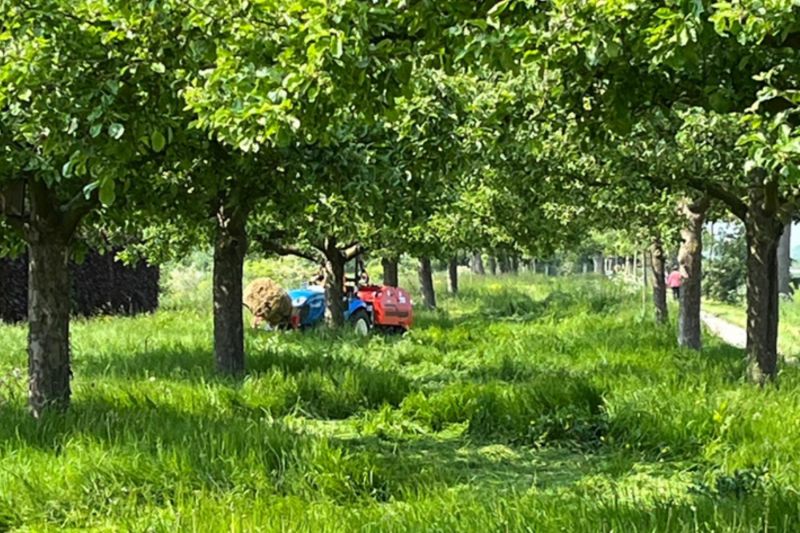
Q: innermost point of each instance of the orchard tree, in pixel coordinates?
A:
(289, 80)
(334, 212)
(85, 109)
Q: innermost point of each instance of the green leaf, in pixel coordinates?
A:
(338, 47)
(116, 130)
(87, 191)
(95, 130)
(107, 192)
(157, 141)
(403, 72)
(479, 23)
(158, 67)
(792, 147)
(499, 7)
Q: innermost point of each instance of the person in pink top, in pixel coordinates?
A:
(674, 283)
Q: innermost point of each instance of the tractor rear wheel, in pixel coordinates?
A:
(360, 322)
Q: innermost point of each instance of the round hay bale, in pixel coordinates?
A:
(268, 302)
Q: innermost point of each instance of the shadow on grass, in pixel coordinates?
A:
(291, 355)
(277, 381)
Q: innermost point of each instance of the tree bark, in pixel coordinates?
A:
(534, 266)
(334, 285)
(230, 248)
(493, 265)
(426, 283)
(598, 263)
(452, 276)
(658, 269)
(763, 232)
(390, 271)
(48, 237)
(690, 258)
(48, 323)
(504, 263)
(785, 262)
(514, 264)
(477, 264)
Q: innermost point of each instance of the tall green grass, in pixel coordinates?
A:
(524, 404)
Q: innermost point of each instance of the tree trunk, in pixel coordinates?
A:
(505, 264)
(534, 266)
(48, 236)
(690, 259)
(230, 247)
(426, 283)
(763, 233)
(390, 271)
(334, 285)
(477, 264)
(48, 323)
(452, 276)
(493, 265)
(514, 264)
(785, 261)
(598, 263)
(658, 268)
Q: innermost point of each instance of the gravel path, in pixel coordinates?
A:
(729, 333)
(735, 335)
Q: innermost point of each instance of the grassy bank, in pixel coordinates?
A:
(525, 404)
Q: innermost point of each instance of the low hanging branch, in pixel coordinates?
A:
(270, 246)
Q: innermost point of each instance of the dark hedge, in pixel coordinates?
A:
(100, 286)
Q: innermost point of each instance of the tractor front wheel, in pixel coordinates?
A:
(360, 322)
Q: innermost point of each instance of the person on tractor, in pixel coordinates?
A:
(361, 273)
(359, 279)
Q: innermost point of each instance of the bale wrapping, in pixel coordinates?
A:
(268, 302)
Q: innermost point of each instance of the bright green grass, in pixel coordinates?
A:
(788, 325)
(524, 405)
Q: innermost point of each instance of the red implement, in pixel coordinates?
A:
(391, 307)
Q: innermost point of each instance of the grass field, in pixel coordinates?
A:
(525, 404)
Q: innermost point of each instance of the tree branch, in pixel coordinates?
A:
(352, 251)
(771, 197)
(78, 207)
(274, 247)
(716, 190)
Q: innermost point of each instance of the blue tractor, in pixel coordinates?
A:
(308, 309)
